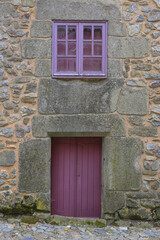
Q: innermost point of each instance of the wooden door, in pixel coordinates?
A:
(76, 177)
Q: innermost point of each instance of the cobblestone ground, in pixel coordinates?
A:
(21, 231)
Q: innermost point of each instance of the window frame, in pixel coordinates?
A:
(79, 73)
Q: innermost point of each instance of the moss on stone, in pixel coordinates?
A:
(29, 219)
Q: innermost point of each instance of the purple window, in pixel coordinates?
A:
(79, 49)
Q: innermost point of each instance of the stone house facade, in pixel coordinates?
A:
(123, 109)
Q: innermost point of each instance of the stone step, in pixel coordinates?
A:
(76, 222)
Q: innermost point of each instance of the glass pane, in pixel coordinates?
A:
(71, 48)
(91, 64)
(87, 32)
(61, 32)
(66, 64)
(97, 33)
(72, 32)
(87, 48)
(97, 48)
(61, 48)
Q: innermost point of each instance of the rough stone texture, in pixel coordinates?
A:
(135, 214)
(113, 201)
(7, 158)
(117, 29)
(156, 51)
(115, 68)
(7, 132)
(81, 97)
(19, 130)
(133, 101)
(145, 131)
(5, 9)
(73, 9)
(136, 120)
(36, 48)
(141, 195)
(41, 29)
(154, 15)
(34, 166)
(78, 125)
(43, 68)
(134, 30)
(128, 47)
(121, 164)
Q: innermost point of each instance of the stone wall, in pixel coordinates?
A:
(124, 108)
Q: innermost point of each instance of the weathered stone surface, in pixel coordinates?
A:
(31, 87)
(7, 132)
(148, 75)
(156, 51)
(36, 48)
(145, 131)
(133, 101)
(7, 158)
(5, 9)
(34, 166)
(28, 3)
(8, 105)
(140, 18)
(113, 201)
(27, 111)
(41, 29)
(150, 203)
(156, 109)
(43, 202)
(84, 10)
(157, 2)
(128, 47)
(4, 97)
(43, 68)
(143, 67)
(117, 29)
(155, 165)
(133, 8)
(115, 68)
(134, 29)
(136, 120)
(14, 118)
(135, 214)
(146, 9)
(121, 166)
(15, 33)
(81, 97)
(20, 80)
(132, 203)
(141, 195)
(100, 125)
(154, 16)
(19, 130)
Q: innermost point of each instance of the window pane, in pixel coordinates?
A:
(97, 48)
(61, 32)
(71, 48)
(97, 33)
(72, 32)
(66, 64)
(87, 48)
(61, 48)
(92, 64)
(87, 33)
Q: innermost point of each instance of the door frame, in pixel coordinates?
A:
(101, 135)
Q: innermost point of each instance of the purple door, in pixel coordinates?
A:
(76, 177)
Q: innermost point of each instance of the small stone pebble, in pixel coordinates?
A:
(42, 231)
